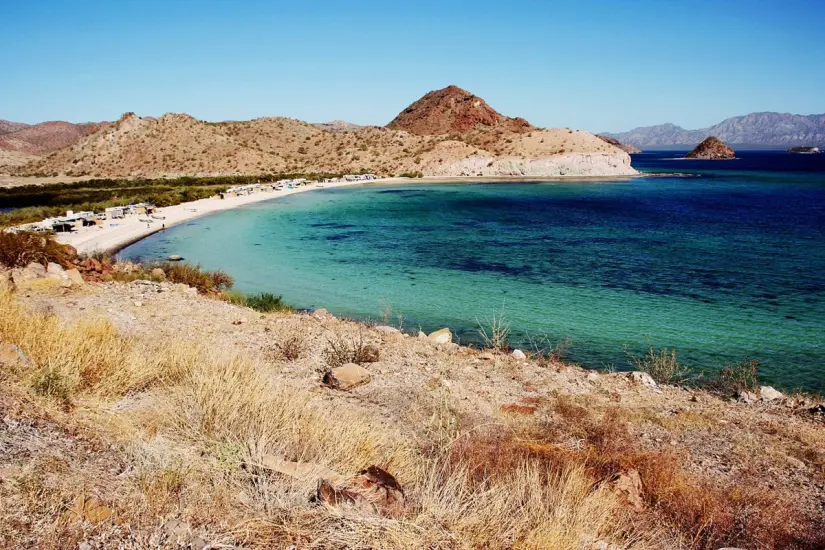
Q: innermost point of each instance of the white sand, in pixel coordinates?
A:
(115, 234)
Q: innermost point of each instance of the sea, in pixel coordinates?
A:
(723, 261)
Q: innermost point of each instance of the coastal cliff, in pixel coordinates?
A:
(562, 165)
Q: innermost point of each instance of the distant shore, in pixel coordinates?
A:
(117, 234)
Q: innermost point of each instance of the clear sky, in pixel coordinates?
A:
(601, 65)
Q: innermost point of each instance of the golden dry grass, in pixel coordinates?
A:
(196, 423)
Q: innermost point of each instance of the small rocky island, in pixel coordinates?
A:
(712, 149)
(804, 150)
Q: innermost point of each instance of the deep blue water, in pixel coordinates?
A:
(724, 262)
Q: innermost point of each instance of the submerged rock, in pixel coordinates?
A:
(712, 149)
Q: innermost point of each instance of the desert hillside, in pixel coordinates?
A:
(147, 415)
(465, 138)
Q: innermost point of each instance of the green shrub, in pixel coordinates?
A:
(266, 302)
(661, 365)
(735, 378)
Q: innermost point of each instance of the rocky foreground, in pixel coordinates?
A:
(190, 422)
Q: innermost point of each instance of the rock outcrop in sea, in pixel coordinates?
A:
(712, 148)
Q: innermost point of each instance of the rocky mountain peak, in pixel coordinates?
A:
(453, 110)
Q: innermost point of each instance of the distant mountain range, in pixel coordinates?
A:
(761, 130)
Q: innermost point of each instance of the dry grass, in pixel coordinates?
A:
(197, 423)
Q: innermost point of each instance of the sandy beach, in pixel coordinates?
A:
(115, 234)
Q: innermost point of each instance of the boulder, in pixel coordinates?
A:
(767, 393)
(628, 487)
(175, 258)
(347, 377)
(443, 336)
(75, 277)
(385, 329)
(37, 269)
(641, 379)
(56, 271)
(421, 335)
(370, 353)
(593, 377)
(519, 355)
(322, 313)
(158, 273)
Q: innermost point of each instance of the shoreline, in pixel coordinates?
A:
(130, 230)
(113, 238)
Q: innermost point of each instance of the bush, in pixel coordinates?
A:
(266, 302)
(19, 249)
(661, 365)
(207, 282)
(341, 351)
(291, 346)
(414, 174)
(739, 377)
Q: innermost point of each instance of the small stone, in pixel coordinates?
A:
(641, 379)
(370, 353)
(796, 463)
(487, 356)
(593, 377)
(11, 355)
(747, 397)
(347, 377)
(158, 273)
(767, 393)
(628, 486)
(37, 269)
(138, 304)
(84, 546)
(443, 336)
(387, 329)
(75, 277)
(175, 258)
(56, 271)
(421, 335)
(519, 355)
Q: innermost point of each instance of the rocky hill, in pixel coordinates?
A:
(7, 126)
(711, 149)
(629, 149)
(454, 110)
(491, 145)
(44, 137)
(780, 130)
(337, 126)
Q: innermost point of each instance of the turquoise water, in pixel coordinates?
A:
(722, 265)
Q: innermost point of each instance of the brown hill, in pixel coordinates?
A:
(712, 148)
(453, 110)
(7, 126)
(627, 148)
(178, 144)
(46, 136)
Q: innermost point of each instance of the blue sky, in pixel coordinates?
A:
(591, 64)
